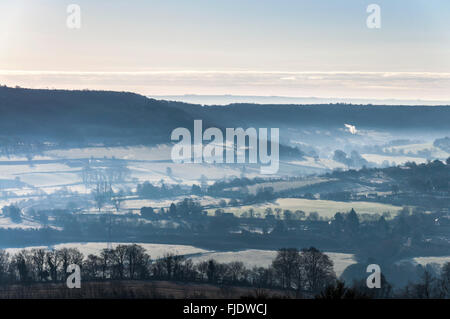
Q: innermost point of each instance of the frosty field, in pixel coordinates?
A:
(250, 257)
(325, 208)
(154, 250)
(285, 185)
(263, 258)
(439, 260)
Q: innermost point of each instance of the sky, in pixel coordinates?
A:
(239, 47)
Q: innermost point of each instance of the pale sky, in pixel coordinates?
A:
(242, 47)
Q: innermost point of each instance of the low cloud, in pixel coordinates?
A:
(356, 85)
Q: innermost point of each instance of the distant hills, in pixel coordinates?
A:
(434, 118)
(87, 116)
(230, 99)
(121, 118)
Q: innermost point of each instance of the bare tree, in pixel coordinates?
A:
(53, 259)
(4, 265)
(69, 256)
(171, 265)
(317, 268)
(39, 264)
(21, 266)
(119, 256)
(445, 280)
(425, 288)
(92, 267)
(285, 265)
(137, 261)
(236, 270)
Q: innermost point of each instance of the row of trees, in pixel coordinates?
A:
(37, 265)
(150, 191)
(303, 271)
(186, 208)
(430, 286)
(12, 212)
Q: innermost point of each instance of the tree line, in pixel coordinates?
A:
(307, 271)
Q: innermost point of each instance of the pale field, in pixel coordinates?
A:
(415, 148)
(285, 185)
(184, 173)
(440, 260)
(131, 153)
(154, 250)
(137, 204)
(14, 157)
(21, 171)
(250, 257)
(263, 258)
(398, 160)
(49, 180)
(323, 163)
(325, 208)
(25, 224)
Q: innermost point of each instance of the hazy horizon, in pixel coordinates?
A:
(287, 48)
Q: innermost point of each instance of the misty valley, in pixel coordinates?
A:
(92, 171)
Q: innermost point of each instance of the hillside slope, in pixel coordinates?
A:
(121, 118)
